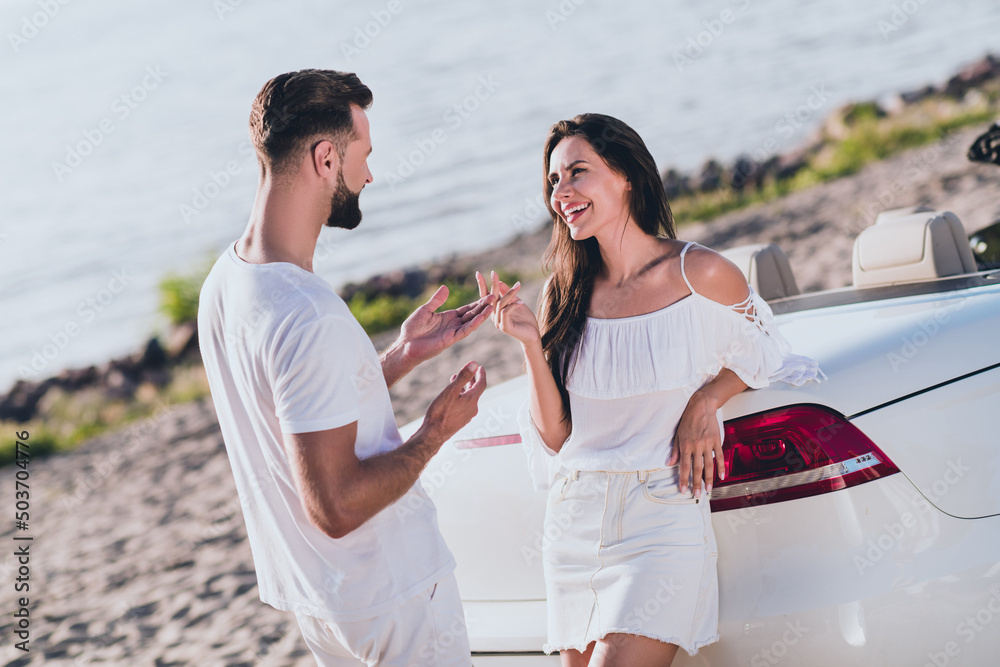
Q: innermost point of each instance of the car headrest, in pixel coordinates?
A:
(886, 216)
(918, 246)
(766, 268)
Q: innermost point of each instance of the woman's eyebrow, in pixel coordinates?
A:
(569, 166)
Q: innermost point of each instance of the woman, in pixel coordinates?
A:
(643, 339)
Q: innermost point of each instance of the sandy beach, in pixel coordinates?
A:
(140, 555)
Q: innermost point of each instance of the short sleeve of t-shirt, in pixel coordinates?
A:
(315, 376)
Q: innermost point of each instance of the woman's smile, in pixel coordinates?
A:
(572, 212)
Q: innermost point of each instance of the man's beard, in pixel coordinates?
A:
(345, 212)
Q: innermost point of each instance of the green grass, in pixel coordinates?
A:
(179, 294)
(41, 443)
(868, 138)
(67, 419)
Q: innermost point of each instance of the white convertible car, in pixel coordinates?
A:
(860, 521)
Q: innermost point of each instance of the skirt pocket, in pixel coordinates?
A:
(559, 489)
(663, 486)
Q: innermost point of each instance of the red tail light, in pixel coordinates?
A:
(794, 452)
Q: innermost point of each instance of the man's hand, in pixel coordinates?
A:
(454, 407)
(426, 333)
(340, 492)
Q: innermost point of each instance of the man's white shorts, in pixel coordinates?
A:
(429, 629)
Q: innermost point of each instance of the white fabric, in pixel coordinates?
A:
(630, 379)
(427, 631)
(283, 354)
(629, 554)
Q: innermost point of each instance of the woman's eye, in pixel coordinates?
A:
(577, 170)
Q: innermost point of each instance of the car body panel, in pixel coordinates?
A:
(947, 443)
(908, 344)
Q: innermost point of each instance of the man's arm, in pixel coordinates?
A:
(427, 333)
(340, 492)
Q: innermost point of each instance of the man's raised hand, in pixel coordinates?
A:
(426, 333)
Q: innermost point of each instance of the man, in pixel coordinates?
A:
(303, 400)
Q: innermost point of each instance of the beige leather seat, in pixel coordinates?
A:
(766, 268)
(893, 214)
(906, 246)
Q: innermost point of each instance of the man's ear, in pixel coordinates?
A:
(325, 160)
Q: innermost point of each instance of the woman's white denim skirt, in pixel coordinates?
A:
(627, 552)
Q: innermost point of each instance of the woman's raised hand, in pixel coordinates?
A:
(510, 314)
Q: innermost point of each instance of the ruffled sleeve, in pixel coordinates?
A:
(748, 342)
(542, 461)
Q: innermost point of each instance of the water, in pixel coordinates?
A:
(154, 99)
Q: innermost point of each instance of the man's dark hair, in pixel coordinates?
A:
(293, 108)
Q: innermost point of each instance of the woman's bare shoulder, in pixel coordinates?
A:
(714, 276)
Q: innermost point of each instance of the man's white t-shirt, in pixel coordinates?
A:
(283, 354)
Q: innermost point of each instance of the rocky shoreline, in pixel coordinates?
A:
(140, 555)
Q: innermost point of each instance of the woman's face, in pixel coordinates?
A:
(586, 193)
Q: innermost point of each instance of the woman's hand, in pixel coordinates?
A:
(698, 443)
(510, 314)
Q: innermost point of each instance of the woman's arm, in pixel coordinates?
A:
(514, 318)
(698, 442)
(545, 406)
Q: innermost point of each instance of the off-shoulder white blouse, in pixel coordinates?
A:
(630, 379)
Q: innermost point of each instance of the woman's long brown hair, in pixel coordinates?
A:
(575, 264)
